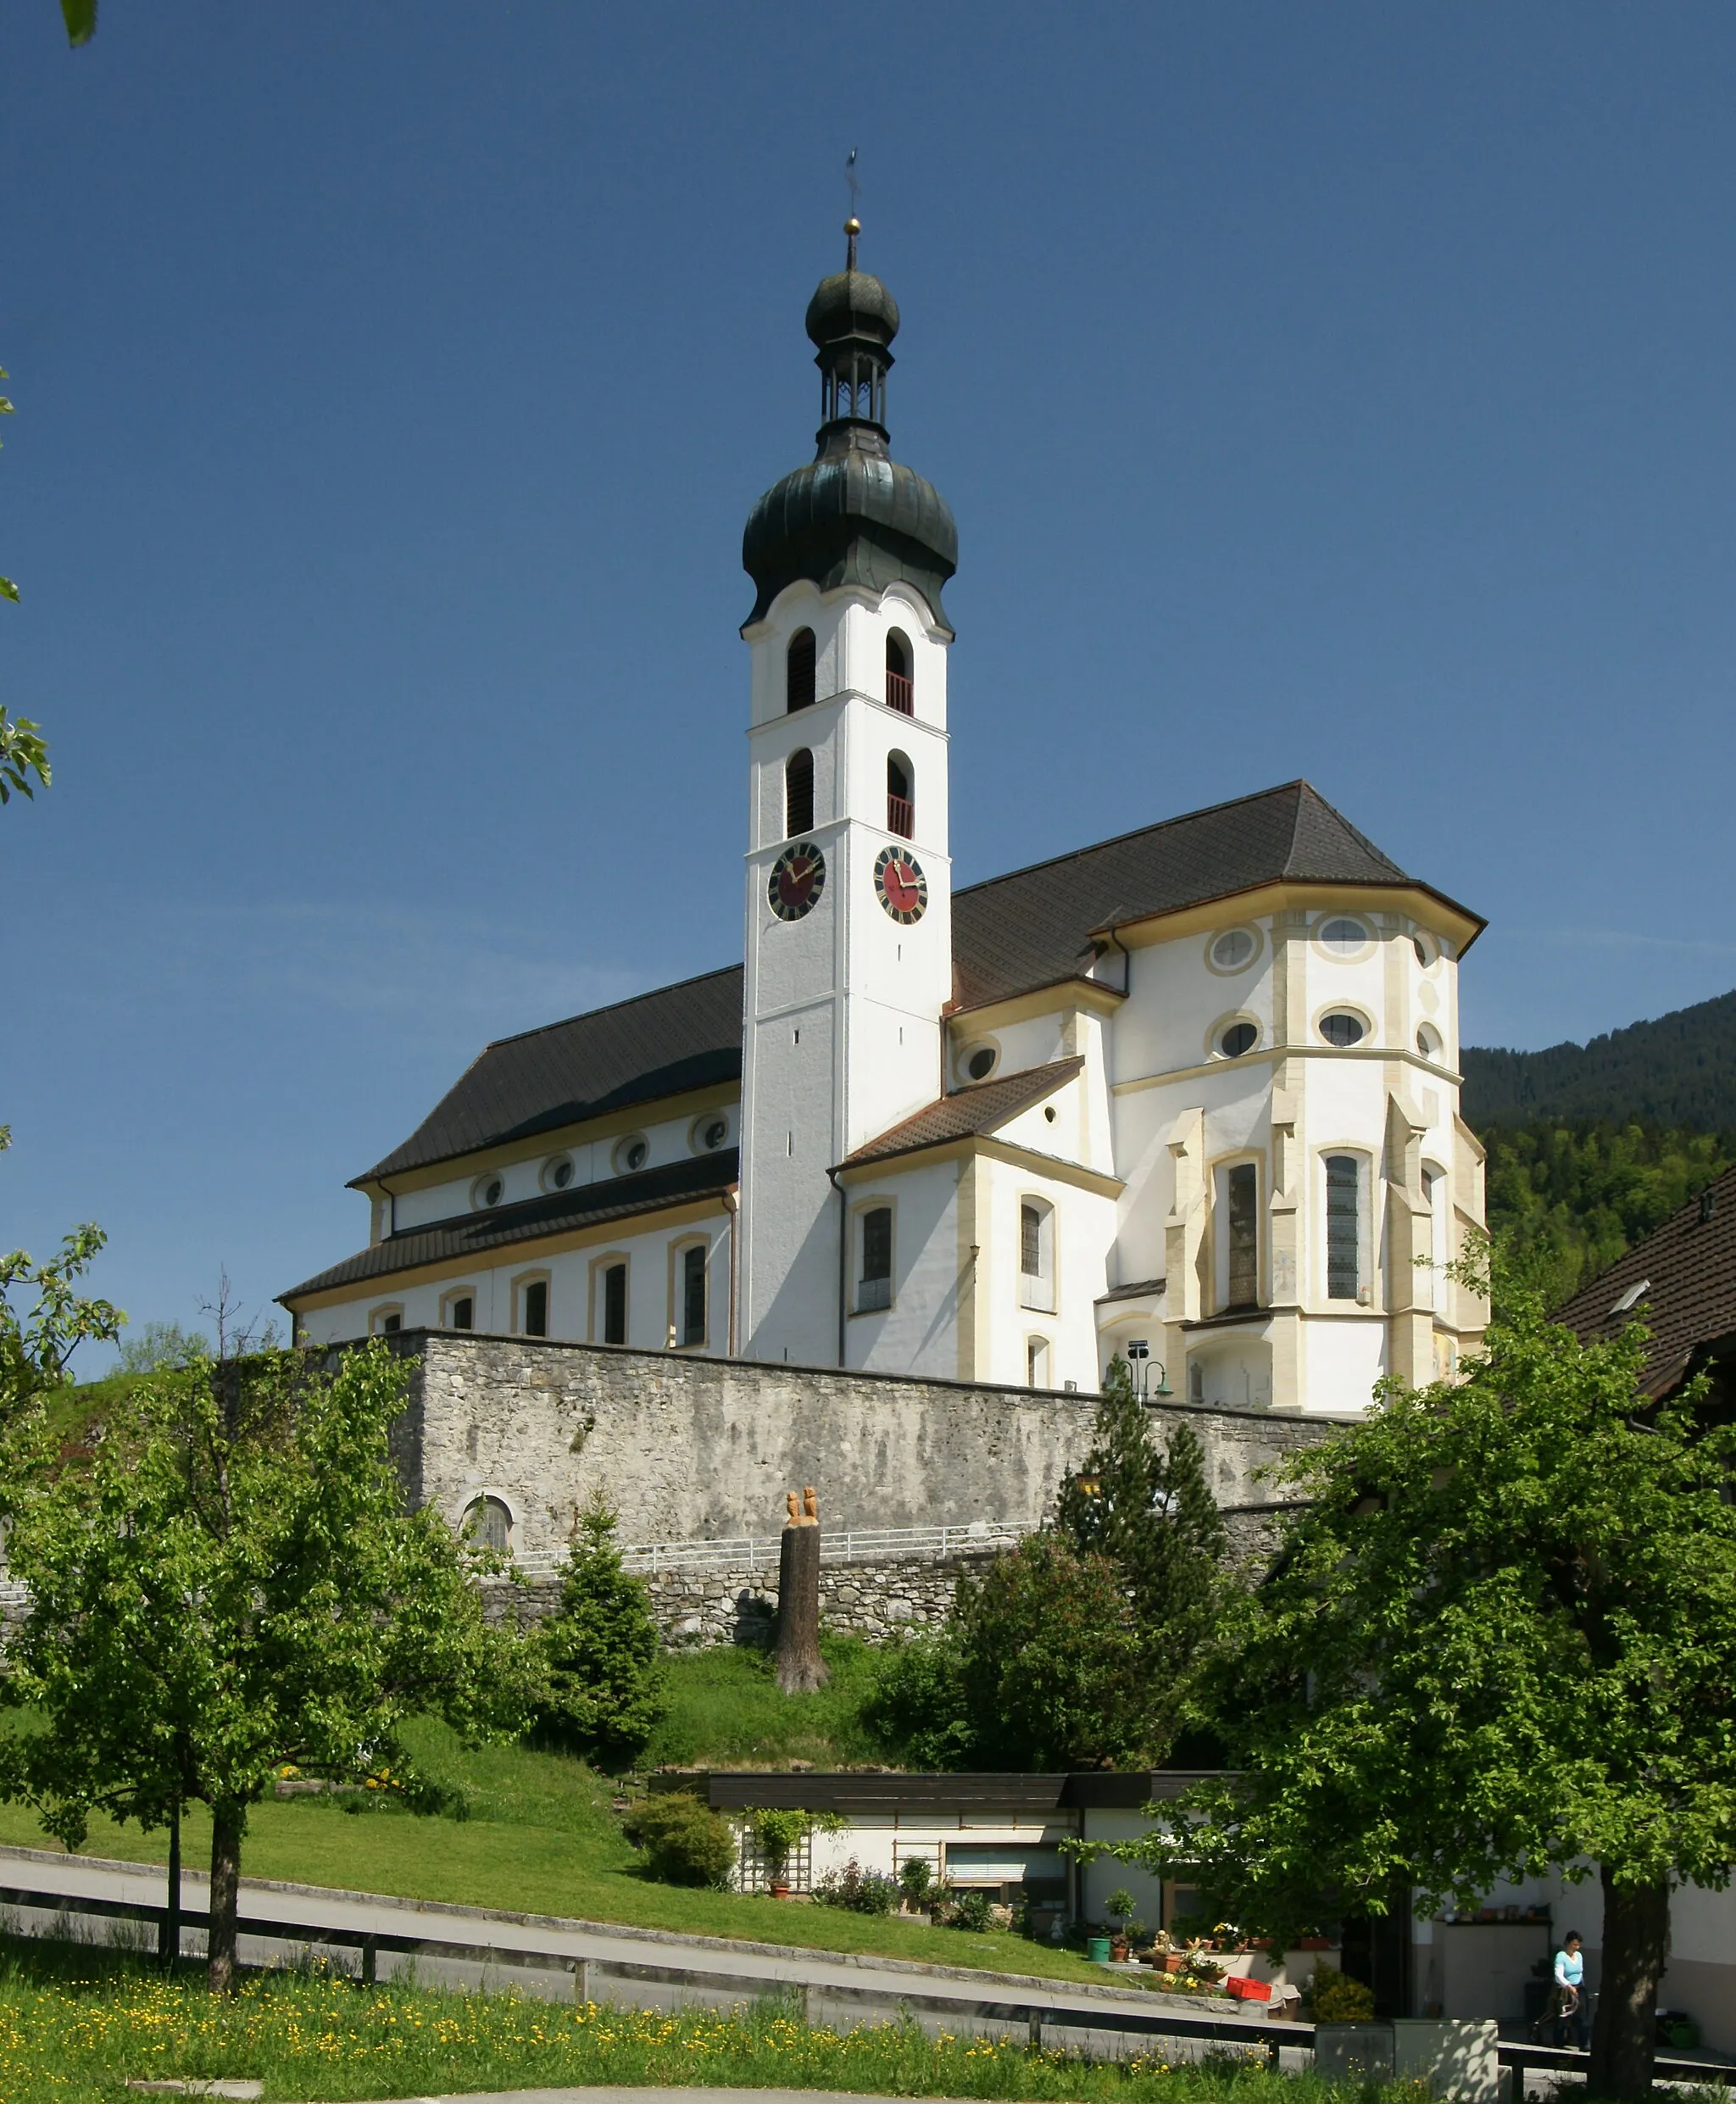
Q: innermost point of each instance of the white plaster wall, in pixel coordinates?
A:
(1176, 1002)
(919, 1333)
(1084, 1228)
(1342, 1359)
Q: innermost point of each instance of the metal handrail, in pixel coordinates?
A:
(759, 1552)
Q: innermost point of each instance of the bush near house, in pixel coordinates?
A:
(685, 1842)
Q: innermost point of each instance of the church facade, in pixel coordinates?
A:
(1193, 1090)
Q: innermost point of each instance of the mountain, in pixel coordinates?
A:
(1677, 1072)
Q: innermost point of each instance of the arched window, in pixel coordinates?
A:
(1036, 1255)
(900, 796)
(1344, 1227)
(489, 1524)
(900, 693)
(799, 793)
(798, 672)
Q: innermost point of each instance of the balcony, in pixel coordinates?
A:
(900, 817)
(900, 693)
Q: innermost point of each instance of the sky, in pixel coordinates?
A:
(1340, 391)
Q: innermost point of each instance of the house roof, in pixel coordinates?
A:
(967, 1112)
(1012, 935)
(1032, 927)
(884, 1790)
(661, 1043)
(588, 1205)
(1688, 1269)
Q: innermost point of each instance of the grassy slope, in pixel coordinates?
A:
(541, 1839)
(726, 1710)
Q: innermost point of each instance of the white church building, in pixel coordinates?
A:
(1194, 1087)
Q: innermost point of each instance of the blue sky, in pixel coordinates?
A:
(1343, 391)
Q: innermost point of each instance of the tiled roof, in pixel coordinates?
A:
(967, 1112)
(1030, 929)
(589, 1205)
(678, 1037)
(1011, 935)
(1688, 1268)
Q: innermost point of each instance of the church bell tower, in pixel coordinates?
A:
(848, 880)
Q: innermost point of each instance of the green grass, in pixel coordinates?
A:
(541, 1840)
(75, 2024)
(727, 1710)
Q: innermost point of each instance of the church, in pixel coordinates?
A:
(1190, 1094)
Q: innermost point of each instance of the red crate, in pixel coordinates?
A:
(1244, 1990)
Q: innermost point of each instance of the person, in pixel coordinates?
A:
(1572, 2003)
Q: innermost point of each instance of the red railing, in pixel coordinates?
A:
(900, 817)
(900, 693)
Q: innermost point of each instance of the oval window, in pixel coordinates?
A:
(709, 1134)
(1426, 951)
(1428, 1042)
(1234, 950)
(557, 1172)
(487, 1190)
(979, 1062)
(1342, 1028)
(631, 1153)
(1342, 936)
(1238, 1038)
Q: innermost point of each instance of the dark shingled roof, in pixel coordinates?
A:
(1031, 928)
(680, 1037)
(966, 1111)
(473, 1234)
(1011, 935)
(1688, 1268)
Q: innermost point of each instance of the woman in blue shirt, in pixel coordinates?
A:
(1573, 2004)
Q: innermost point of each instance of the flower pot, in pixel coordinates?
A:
(1172, 1962)
(779, 1889)
(1118, 1950)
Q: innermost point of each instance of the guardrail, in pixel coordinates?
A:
(759, 1552)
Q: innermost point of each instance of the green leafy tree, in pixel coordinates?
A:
(160, 1346)
(1501, 1639)
(920, 1703)
(1149, 1510)
(1052, 1665)
(229, 1583)
(44, 1318)
(601, 1690)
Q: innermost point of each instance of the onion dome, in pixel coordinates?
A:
(852, 515)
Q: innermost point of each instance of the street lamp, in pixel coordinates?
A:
(1139, 1355)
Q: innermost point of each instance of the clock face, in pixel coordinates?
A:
(797, 878)
(903, 887)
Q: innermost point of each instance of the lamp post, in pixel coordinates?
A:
(1139, 1357)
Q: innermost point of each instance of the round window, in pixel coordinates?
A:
(979, 1062)
(1238, 1038)
(1342, 936)
(486, 1191)
(631, 1153)
(709, 1134)
(1341, 1028)
(1233, 949)
(1426, 951)
(557, 1172)
(1428, 1042)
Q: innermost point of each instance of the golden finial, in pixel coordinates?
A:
(853, 226)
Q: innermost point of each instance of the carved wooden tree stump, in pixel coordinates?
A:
(800, 1668)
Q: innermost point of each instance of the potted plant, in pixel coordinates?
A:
(916, 1881)
(1120, 1904)
(778, 1830)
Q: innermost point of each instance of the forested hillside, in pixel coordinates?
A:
(1677, 1071)
(1592, 1146)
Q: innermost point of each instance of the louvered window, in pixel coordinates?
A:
(799, 668)
(799, 793)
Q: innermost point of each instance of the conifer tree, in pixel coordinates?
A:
(602, 1680)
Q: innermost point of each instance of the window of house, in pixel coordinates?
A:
(614, 1304)
(900, 797)
(1342, 936)
(709, 1132)
(461, 1311)
(1342, 1028)
(1238, 1038)
(979, 1062)
(799, 793)
(631, 1153)
(489, 1524)
(1036, 1255)
(1037, 1361)
(1234, 950)
(1428, 1042)
(1242, 1208)
(874, 1285)
(558, 1173)
(1344, 1227)
(900, 693)
(692, 1291)
(533, 1307)
(487, 1190)
(798, 670)
(385, 1321)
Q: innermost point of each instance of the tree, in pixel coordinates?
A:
(1052, 1667)
(1151, 1512)
(161, 1345)
(1501, 1639)
(43, 1326)
(229, 1583)
(601, 1680)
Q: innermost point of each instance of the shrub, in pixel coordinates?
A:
(970, 1911)
(685, 1842)
(918, 1705)
(857, 1892)
(1333, 1997)
(916, 1878)
(601, 1679)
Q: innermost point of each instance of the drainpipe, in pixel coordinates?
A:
(843, 1262)
(732, 1205)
